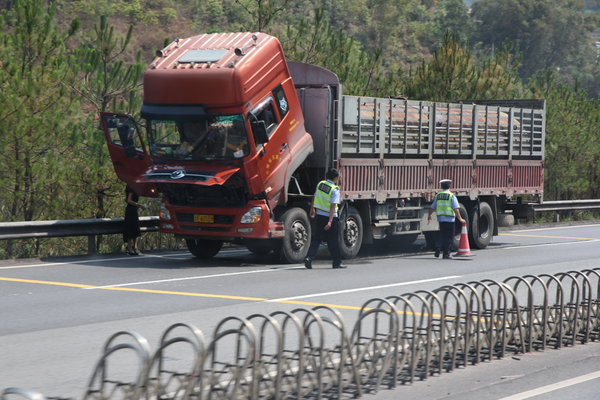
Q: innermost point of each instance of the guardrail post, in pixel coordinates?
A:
(91, 244)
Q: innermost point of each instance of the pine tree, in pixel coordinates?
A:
(36, 114)
(103, 83)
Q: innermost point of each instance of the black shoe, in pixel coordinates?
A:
(340, 266)
(131, 253)
(308, 263)
(448, 257)
(437, 253)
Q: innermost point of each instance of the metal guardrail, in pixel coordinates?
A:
(566, 205)
(76, 227)
(107, 226)
(527, 210)
(311, 353)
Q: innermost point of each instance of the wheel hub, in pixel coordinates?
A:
(300, 235)
(351, 232)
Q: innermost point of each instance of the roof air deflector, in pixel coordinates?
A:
(203, 56)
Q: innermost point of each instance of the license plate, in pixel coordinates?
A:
(204, 218)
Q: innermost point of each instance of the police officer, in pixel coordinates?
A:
(446, 209)
(325, 206)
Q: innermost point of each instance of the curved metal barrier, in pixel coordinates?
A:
(307, 353)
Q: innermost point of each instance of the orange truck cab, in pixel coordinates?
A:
(220, 135)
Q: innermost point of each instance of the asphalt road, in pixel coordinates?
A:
(56, 314)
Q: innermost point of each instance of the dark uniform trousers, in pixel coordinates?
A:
(333, 239)
(446, 239)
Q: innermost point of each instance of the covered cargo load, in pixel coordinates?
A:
(390, 148)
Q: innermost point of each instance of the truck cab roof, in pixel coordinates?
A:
(214, 70)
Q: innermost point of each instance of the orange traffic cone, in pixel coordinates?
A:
(463, 246)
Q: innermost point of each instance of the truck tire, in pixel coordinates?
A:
(351, 233)
(203, 248)
(259, 247)
(294, 246)
(506, 219)
(481, 228)
(458, 226)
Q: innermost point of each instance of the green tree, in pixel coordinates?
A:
(572, 144)
(104, 83)
(36, 112)
(453, 75)
(262, 13)
(319, 44)
(452, 16)
(550, 33)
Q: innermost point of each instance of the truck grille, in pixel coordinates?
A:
(196, 176)
(232, 194)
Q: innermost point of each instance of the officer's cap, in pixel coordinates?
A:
(445, 182)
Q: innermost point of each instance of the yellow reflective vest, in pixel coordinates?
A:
(444, 203)
(323, 196)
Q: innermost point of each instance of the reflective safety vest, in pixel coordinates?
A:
(323, 196)
(444, 203)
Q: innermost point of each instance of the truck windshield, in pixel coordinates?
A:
(221, 137)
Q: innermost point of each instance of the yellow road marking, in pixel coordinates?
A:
(132, 290)
(551, 237)
(45, 282)
(306, 303)
(216, 296)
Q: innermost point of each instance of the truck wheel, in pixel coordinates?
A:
(506, 219)
(203, 248)
(458, 226)
(295, 244)
(351, 234)
(482, 226)
(431, 238)
(259, 247)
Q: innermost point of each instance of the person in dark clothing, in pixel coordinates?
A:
(131, 231)
(325, 206)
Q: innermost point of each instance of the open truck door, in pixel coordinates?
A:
(127, 151)
(271, 139)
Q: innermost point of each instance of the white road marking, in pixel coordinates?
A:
(364, 288)
(554, 228)
(180, 279)
(547, 244)
(170, 255)
(42, 264)
(555, 386)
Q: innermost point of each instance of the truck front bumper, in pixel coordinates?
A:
(252, 221)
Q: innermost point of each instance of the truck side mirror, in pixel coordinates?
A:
(259, 128)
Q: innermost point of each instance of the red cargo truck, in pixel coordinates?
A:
(234, 139)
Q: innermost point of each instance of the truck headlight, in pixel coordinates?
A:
(252, 216)
(164, 213)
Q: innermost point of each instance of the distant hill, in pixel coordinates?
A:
(592, 5)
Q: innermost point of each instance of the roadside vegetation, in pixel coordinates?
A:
(63, 61)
